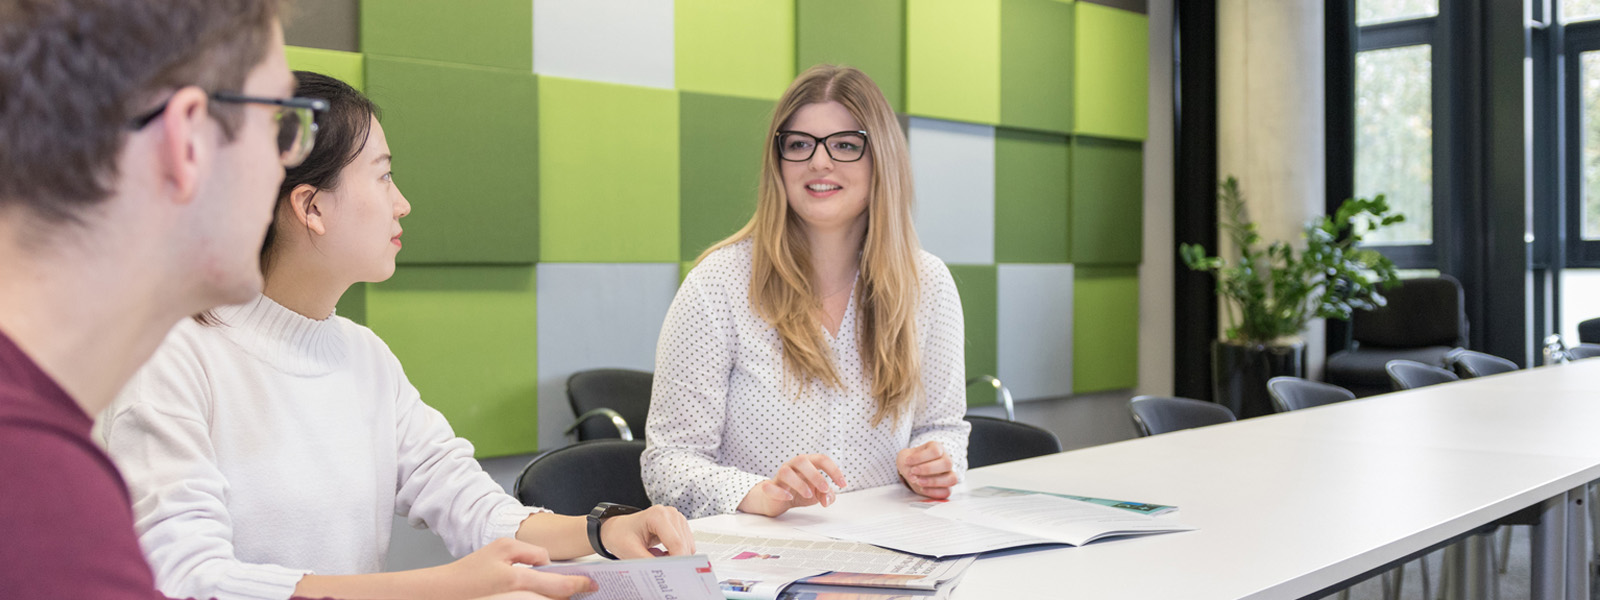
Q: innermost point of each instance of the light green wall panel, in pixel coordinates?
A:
(1031, 222)
(468, 341)
(722, 140)
(735, 47)
(1112, 78)
(353, 304)
(491, 33)
(977, 286)
(609, 172)
(866, 34)
(348, 67)
(465, 154)
(1105, 328)
(953, 59)
(1107, 202)
(1036, 64)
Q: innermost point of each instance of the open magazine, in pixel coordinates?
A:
(665, 578)
(975, 524)
(990, 491)
(768, 568)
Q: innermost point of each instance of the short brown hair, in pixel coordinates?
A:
(74, 73)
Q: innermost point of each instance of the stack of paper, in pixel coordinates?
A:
(755, 567)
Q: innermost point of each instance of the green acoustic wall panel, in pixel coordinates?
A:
(734, 47)
(866, 34)
(468, 341)
(348, 67)
(1105, 328)
(979, 301)
(1112, 79)
(721, 141)
(353, 304)
(953, 59)
(327, 24)
(1030, 197)
(608, 166)
(1107, 202)
(465, 154)
(490, 33)
(1036, 64)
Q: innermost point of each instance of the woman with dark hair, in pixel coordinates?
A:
(266, 445)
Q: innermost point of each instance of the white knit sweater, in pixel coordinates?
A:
(274, 445)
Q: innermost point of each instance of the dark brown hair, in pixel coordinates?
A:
(342, 133)
(74, 73)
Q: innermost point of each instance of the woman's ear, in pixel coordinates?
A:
(304, 205)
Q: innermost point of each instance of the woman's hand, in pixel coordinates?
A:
(927, 470)
(495, 569)
(799, 482)
(632, 536)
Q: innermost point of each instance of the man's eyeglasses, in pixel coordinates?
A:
(296, 117)
(844, 146)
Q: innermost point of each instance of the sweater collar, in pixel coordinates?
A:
(285, 339)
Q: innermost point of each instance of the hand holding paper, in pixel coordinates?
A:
(927, 470)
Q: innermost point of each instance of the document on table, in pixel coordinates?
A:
(756, 567)
(973, 525)
(665, 578)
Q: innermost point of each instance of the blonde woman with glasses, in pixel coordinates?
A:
(819, 348)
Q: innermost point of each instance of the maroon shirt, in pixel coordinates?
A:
(66, 526)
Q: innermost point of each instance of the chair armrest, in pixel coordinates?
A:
(1005, 394)
(623, 431)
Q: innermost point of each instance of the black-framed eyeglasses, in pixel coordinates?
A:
(844, 146)
(296, 117)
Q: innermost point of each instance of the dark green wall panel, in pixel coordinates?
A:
(1107, 202)
(978, 288)
(1031, 221)
(866, 34)
(490, 33)
(465, 145)
(467, 339)
(721, 141)
(1105, 328)
(1036, 64)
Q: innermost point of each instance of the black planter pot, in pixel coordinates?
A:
(1239, 374)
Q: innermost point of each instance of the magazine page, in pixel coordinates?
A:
(1060, 519)
(757, 562)
(665, 578)
(990, 491)
(919, 533)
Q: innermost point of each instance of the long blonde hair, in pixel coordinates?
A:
(781, 286)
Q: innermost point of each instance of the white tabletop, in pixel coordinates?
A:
(1290, 504)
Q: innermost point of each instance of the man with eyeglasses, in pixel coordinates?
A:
(141, 147)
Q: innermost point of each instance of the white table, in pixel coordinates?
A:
(1294, 504)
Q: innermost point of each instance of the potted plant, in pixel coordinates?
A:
(1269, 294)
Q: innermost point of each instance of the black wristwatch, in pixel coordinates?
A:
(597, 517)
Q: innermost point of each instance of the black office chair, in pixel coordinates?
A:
(995, 441)
(609, 403)
(571, 480)
(1468, 364)
(1424, 320)
(1294, 393)
(1410, 375)
(1582, 351)
(1155, 415)
(1589, 331)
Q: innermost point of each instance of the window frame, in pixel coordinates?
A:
(1574, 39)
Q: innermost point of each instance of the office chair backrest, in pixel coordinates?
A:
(1294, 393)
(571, 480)
(1410, 374)
(625, 391)
(1589, 331)
(1468, 364)
(995, 441)
(1155, 415)
(1428, 311)
(1582, 351)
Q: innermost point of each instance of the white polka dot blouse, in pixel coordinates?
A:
(721, 420)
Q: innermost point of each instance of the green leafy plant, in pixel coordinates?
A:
(1271, 293)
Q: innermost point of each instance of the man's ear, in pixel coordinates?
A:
(183, 153)
(306, 208)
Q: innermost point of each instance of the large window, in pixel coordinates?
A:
(1580, 94)
(1395, 149)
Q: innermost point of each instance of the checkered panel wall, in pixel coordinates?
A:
(565, 160)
